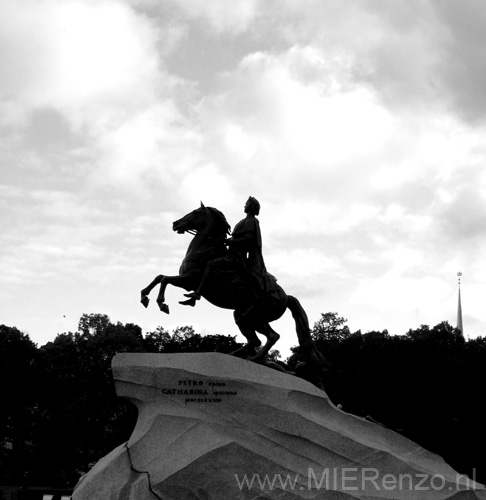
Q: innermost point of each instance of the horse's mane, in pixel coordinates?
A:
(223, 228)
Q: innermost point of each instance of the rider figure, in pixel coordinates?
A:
(245, 247)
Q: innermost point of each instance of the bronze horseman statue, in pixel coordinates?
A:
(244, 253)
(230, 273)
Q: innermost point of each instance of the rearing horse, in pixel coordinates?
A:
(230, 289)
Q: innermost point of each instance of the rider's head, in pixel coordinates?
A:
(252, 206)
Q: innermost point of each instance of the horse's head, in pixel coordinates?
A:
(193, 221)
(206, 220)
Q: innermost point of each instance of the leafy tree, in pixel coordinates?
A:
(185, 339)
(327, 333)
(183, 333)
(18, 389)
(330, 326)
(90, 324)
(80, 417)
(442, 334)
(157, 340)
(275, 356)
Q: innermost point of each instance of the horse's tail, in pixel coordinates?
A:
(308, 349)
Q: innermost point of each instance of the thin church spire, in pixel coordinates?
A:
(459, 305)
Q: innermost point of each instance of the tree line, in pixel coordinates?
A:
(60, 413)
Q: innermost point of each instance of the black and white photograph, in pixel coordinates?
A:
(242, 249)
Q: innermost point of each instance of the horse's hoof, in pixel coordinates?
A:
(257, 358)
(245, 352)
(145, 301)
(239, 353)
(188, 302)
(164, 308)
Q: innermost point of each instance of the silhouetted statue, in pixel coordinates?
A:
(244, 253)
(230, 273)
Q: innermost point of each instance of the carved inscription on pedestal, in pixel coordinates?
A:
(200, 391)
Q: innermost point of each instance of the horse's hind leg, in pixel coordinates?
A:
(253, 342)
(144, 293)
(272, 338)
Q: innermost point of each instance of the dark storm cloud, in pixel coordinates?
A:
(428, 54)
(463, 69)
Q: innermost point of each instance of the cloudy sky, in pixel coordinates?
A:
(360, 125)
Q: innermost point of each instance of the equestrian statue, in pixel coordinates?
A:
(230, 272)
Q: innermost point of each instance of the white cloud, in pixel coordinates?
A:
(99, 65)
(273, 121)
(301, 263)
(240, 142)
(154, 143)
(74, 55)
(208, 184)
(394, 293)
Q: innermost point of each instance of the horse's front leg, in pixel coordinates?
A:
(184, 281)
(144, 293)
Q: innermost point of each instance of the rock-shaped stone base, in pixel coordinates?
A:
(211, 427)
